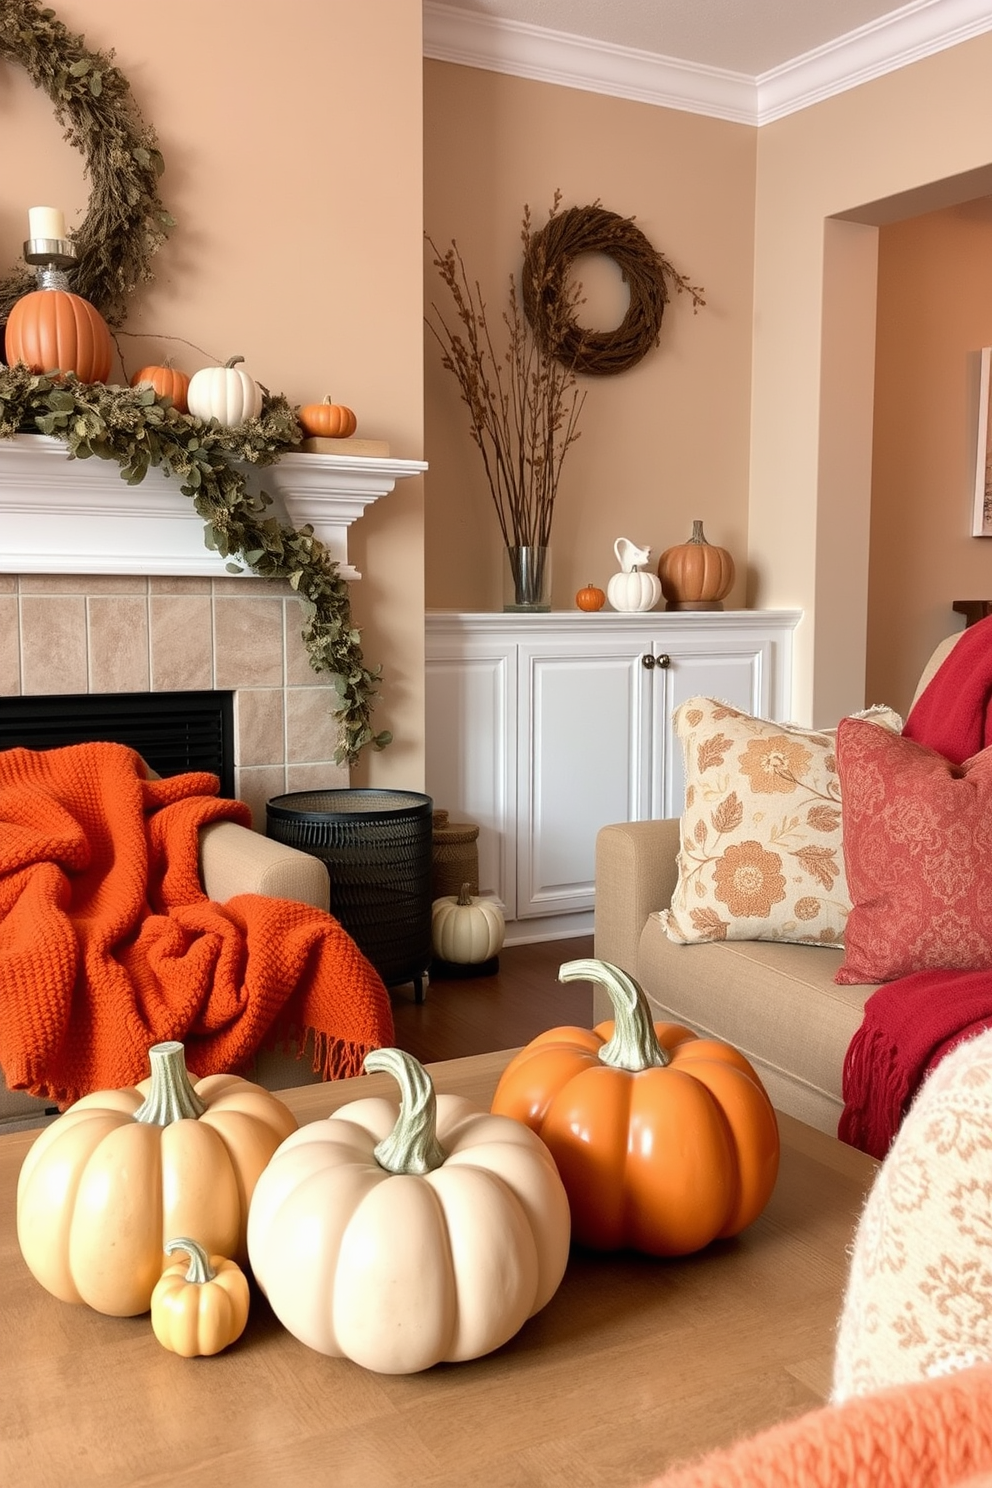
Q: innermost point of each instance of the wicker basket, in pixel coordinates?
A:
(454, 856)
(377, 847)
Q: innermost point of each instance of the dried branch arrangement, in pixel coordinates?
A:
(523, 400)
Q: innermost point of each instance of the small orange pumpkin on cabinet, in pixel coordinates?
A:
(165, 382)
(51, 330)
(590, 598)
(695, 575)
(328, 420)
(664, 1141)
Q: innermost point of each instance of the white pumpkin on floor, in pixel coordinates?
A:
(465, 928)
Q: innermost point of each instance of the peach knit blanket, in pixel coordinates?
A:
(108, 943)
(935, 1433)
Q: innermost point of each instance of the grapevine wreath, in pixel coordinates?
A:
(124, 226)
(547, 266)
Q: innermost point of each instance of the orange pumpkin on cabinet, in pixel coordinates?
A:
(590, 598)
(695, 574)
(328, 420)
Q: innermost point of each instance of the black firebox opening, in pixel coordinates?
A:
(172, 731)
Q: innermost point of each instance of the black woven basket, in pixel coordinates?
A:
(377, 847)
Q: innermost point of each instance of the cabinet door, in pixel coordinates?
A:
(584, 760)
(470, 767)
(735, 671)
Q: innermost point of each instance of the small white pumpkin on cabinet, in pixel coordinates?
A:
(631, 590)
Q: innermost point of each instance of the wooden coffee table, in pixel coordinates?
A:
(634, 1363)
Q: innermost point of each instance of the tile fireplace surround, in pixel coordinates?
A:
(164, 631)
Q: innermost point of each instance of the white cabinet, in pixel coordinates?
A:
(544, 728)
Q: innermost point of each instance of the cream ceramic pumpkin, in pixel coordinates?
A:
(399, 1238)
(634, 591)
(226, 394)
(466, 929)
(105, 1186)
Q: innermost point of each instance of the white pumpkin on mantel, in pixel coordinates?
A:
(632, 590)
(227, 394)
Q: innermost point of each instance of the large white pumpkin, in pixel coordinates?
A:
(399, 1237)
(226, 394)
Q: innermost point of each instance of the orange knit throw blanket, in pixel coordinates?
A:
(108, 943)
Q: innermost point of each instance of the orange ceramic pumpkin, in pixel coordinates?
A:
(590, 598)
(165, 382)
(695, 572)
(51, 330)
(328, 420)
(664, 1141)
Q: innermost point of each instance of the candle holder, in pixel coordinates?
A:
(51, 258)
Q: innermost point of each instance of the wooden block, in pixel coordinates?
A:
(377, 448)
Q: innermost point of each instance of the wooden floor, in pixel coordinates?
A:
(475, 1015)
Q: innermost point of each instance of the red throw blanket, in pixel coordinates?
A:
(108, 943)
(911, 1023)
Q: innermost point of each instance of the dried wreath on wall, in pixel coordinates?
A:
(126, 221)
(125, 225)
(551, 309)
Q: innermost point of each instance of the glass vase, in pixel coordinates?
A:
(526, 580)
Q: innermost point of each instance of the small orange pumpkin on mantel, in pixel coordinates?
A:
(165, 382)
(695, 575)
(328, 420)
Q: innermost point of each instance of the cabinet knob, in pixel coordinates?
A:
(649, 662)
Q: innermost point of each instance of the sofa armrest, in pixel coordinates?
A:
(636, 874)
(234, 860)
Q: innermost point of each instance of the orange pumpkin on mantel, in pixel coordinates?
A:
(695, 575)
(328, 420)
(590, 598)
(165, 382)
(52, 330)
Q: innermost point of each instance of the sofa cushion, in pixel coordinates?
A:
(760, 856)
(917, 842)
(777, 1003)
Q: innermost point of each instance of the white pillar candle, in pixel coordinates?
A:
(46, 222)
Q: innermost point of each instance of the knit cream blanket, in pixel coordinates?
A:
(919, 1295)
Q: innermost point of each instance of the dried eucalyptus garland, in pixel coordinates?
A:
(124, 226)
(126, 221)
(546, 281)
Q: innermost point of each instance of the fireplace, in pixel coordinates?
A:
(172, 731)
(111, 635)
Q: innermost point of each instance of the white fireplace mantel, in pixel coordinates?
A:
(59, 515)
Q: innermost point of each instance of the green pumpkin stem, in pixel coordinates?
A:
(634, 1045)
(412, 1145)
(171, 1097)
(200, 1269)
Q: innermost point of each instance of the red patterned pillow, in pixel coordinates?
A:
(917, 835)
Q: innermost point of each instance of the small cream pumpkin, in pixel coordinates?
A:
(466, 929)
(227, 394)
(634, 591)
(399, 1238)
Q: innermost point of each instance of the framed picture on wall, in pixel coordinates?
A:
(981, 524)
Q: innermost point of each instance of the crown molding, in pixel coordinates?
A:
(522, 50)
(906, 35)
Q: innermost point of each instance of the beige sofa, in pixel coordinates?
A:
(233, 860)
(777, 1003)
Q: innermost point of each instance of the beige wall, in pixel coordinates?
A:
(934, 315)
(662, 443)
(846, 157)
(292, 142)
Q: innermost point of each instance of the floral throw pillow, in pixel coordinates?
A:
(760, 854)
